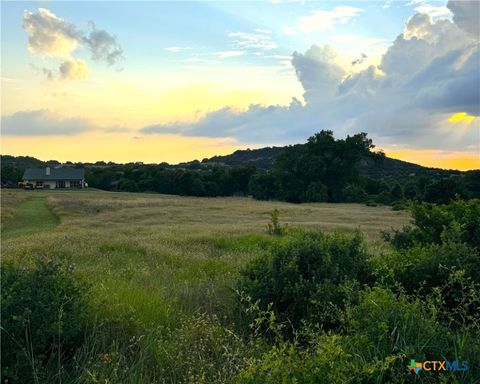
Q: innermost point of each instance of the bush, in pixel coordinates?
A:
(44, 312)
(399, 206)
(444, 190)
(274, 228)
(394, 327)
(383, 331)
(354, 193)
(396, 192)
(458, 222)
(390, 323)
(457, 302)
(308, 277)
(383, 198)
(325, 362)
(425, 267)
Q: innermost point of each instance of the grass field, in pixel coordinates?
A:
(162, 268)
(31, 216)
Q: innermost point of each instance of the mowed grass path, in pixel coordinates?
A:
(31, 216)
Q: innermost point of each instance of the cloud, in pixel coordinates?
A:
(429, 73)
(103, 46)
(387, 4)
(360, 60)
(52, 36)
(318, 72)
(49, 73)
(227, 54)
(74, 69)
(414, 2)
(256, 124)
(432, 10)
(322, 20)
(42, 122)
(176, 49)
(49, 35)
(466, 15)
(261, 40)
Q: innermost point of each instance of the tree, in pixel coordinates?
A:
(396, 192)
(332, 163)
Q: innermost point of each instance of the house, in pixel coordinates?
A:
(52, 178)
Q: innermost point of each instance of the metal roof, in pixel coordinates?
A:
(55, 174)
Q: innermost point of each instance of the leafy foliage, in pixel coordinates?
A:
(274, 227)
(324, 169)
(457, 222)
(44, 312)
(423, 303)
(307, 277)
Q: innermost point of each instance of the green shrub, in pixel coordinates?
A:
(411, 191)
(382, 332)
(396, 192)
(425, 267)
(383, 197)
(44, 312)
(308, 277)
(457, 301)
(387, 326)
(384, 323)
(354, 193)
(458, 221)
(399, 205)
(325, 362)
(274, 228)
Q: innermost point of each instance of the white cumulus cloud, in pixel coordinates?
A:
(427, 74)
(51, 36)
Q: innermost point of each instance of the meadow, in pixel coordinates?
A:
(162, 273)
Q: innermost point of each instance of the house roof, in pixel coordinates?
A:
(55, 174)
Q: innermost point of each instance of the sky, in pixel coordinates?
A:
(175, 81)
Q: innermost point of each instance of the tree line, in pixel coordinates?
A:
(324, 169)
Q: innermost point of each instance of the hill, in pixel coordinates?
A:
(261, 158)
(264, 158)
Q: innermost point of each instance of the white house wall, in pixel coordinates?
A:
(52, 184)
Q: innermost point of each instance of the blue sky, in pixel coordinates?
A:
(147, 28)
(202, 78)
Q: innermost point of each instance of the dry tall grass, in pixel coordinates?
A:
(171, 247)
(159, 261)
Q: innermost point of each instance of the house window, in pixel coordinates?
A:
(75, 183)
(39, 183)
(60, 183)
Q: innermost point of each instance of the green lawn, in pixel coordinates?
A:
(31, 216)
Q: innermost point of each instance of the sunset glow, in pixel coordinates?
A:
(176, 81)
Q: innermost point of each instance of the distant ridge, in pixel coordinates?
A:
(264, 158)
